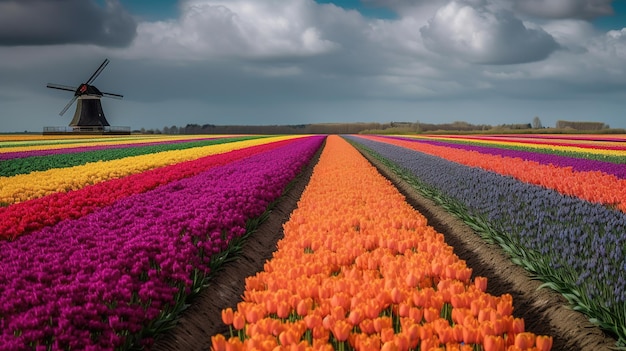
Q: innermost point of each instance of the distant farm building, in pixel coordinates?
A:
(580, 125)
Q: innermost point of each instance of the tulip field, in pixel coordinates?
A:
(105, 241)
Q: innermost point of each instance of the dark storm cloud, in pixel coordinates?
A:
(562, 9)
(51, 22)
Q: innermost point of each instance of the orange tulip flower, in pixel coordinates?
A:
(431, 314)
(412, 280)
(480, 283)
(254, 313)
(312, 321)
(544, 343)
(341, 330)
(494, 343)
(517, 326)
(397, 295)
(387, 334)
(283, 309)
(367, 326)
(304, 306)
(524, 340)
(470, 335)
(402, 341)
(234, 344)
(288, 337)
(239, 321)
(356, 316)
(321, 333)
(505, 305)
(389, 346)
(381, 323)
(218, 343)
(416, 314)
(227, 316)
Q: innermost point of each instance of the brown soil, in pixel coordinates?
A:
(543, 310)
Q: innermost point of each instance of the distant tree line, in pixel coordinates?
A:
(318, 128)
(377, 128)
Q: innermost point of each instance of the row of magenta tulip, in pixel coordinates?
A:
(362, 270)
(94, 282)
(592, 186)
(24, 187)
(29, 216)
(578, 248)
(7, 153)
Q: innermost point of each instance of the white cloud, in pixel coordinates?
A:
(242, 28)
(480, 35)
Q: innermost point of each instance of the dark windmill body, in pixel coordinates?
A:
(89, 116)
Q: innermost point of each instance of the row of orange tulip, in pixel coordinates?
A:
(360, 269)
(592, 186)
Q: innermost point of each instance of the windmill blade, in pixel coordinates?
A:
(61, 87)
(68, 105)
(111, 95)
(97, 72)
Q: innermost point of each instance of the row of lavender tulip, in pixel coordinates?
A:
(583, 244)
(577, 164)
(92, 282)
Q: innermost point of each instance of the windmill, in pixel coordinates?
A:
(88, 107)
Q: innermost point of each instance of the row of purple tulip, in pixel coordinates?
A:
(92, 282)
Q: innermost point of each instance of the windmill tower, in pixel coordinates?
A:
(88, 107)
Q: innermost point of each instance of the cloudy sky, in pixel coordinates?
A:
(306, 61)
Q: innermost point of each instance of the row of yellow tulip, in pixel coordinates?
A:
(34, 185)
(360, 269)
